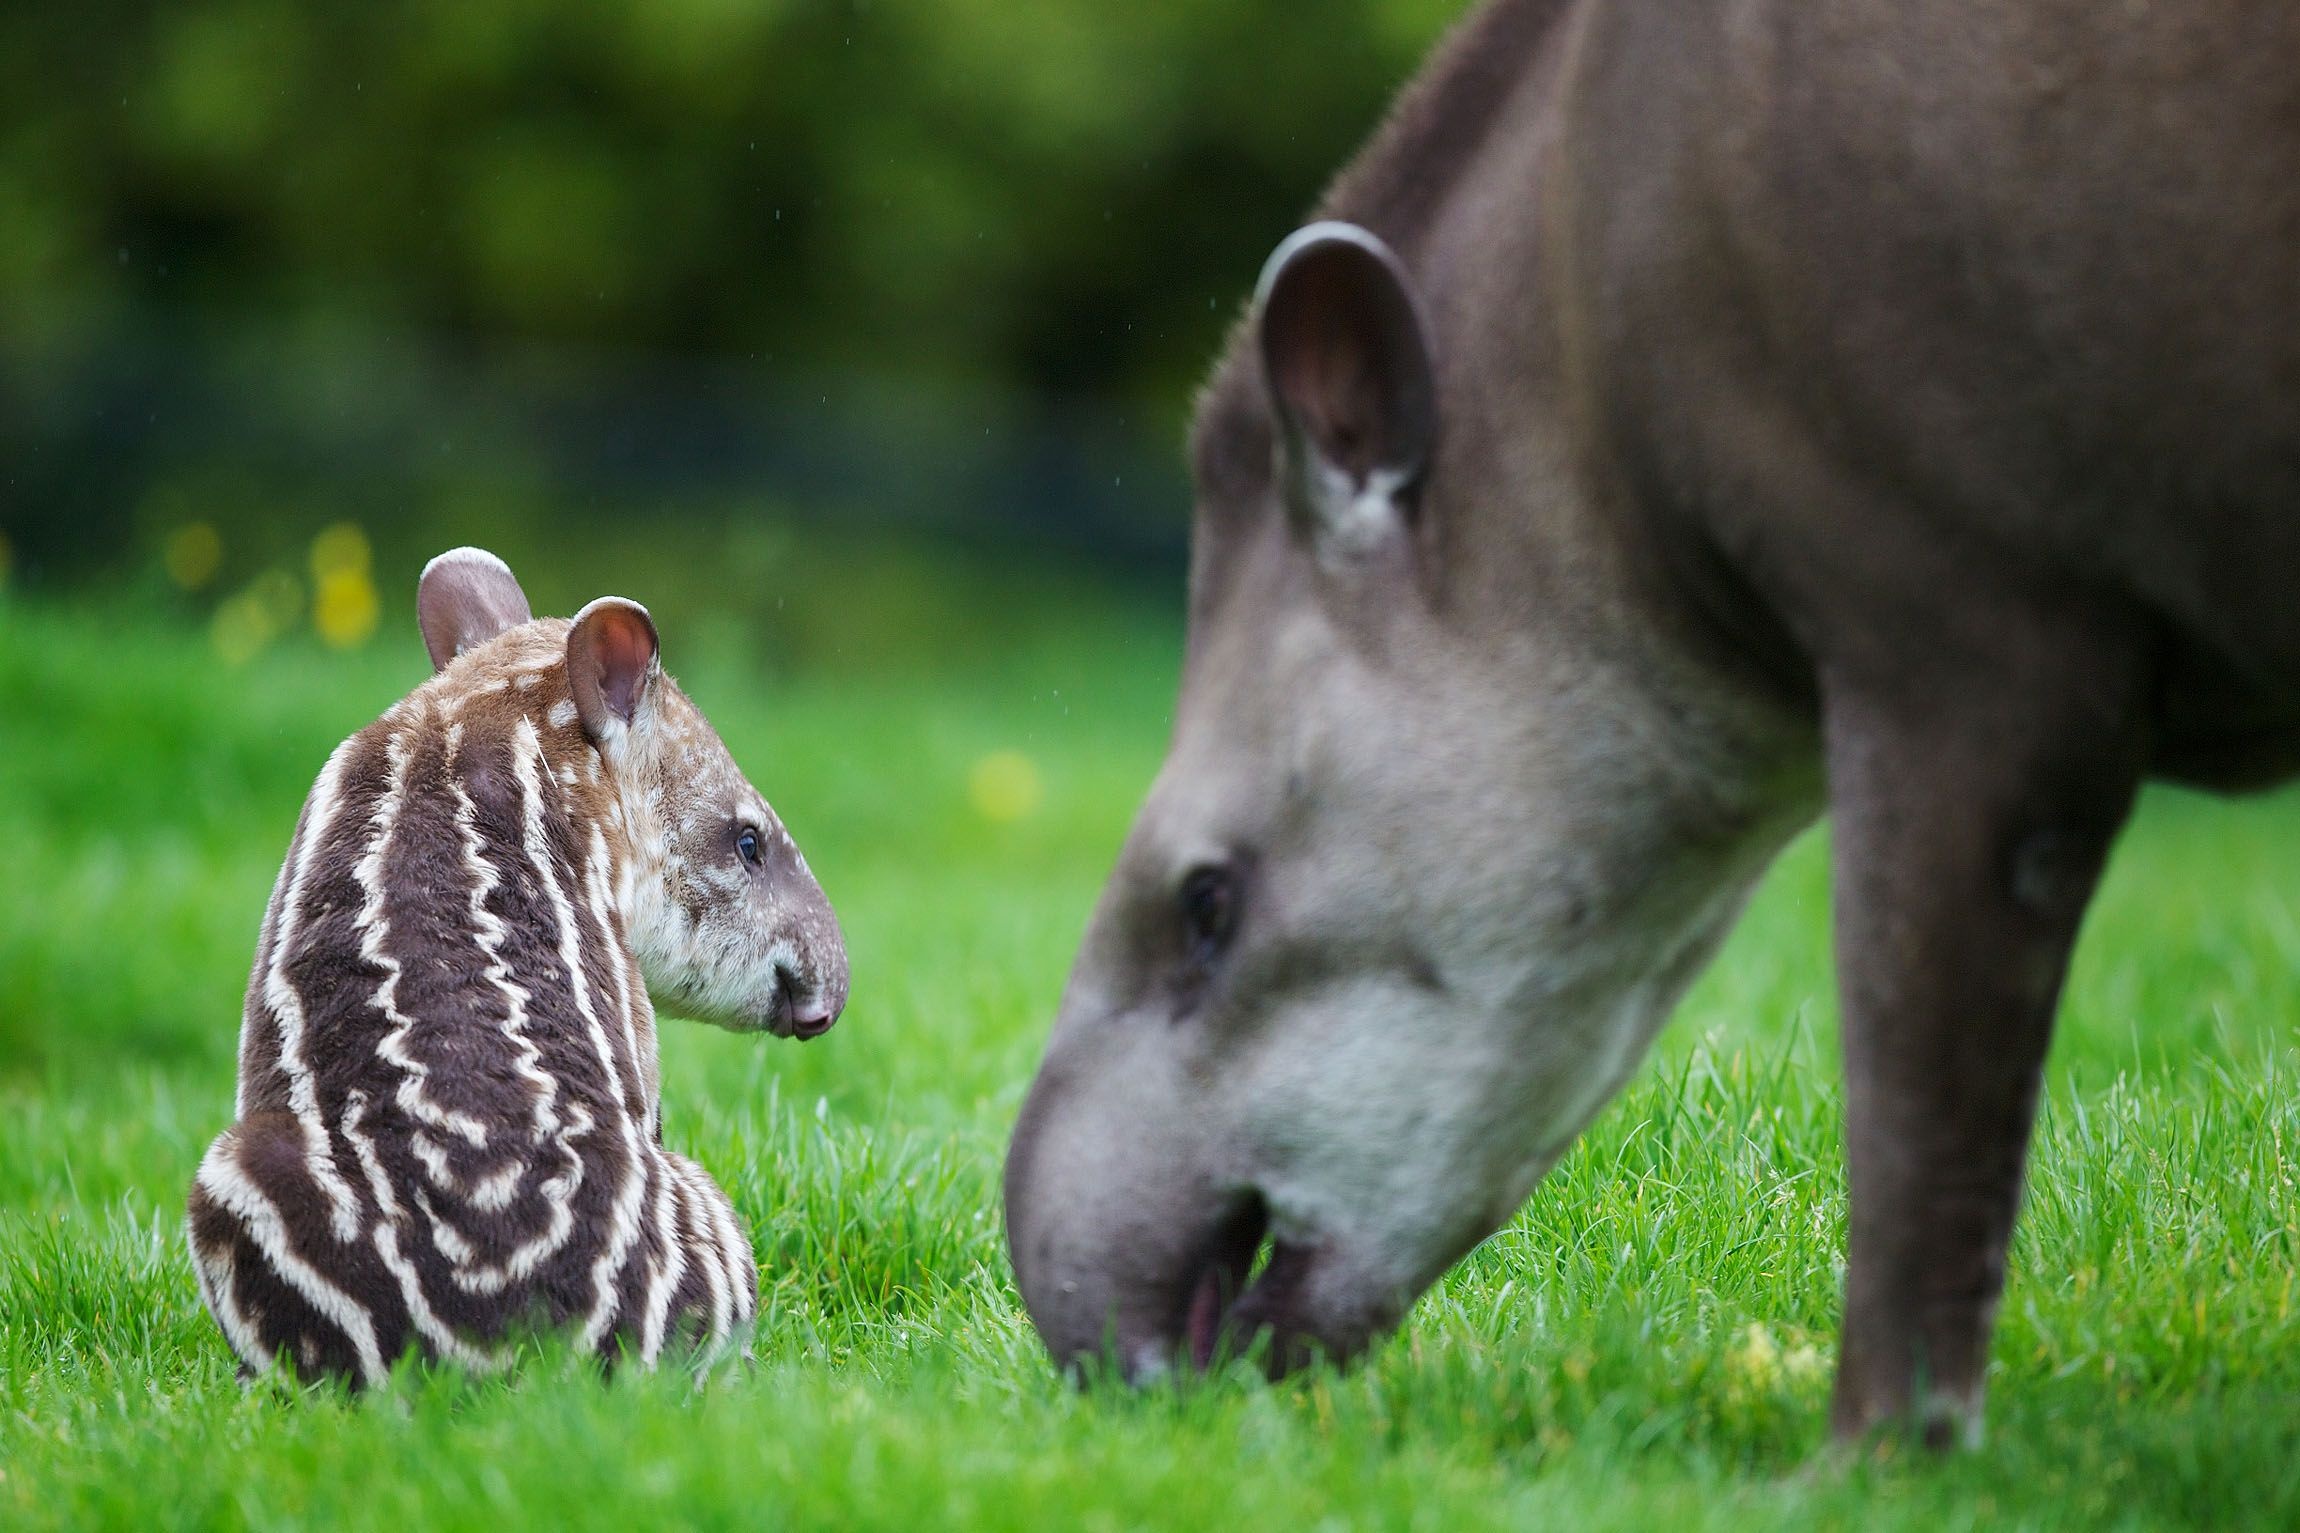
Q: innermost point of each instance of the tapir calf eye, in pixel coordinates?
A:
(748, 845)
(1209, 900)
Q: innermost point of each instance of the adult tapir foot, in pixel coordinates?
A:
(1973, 805)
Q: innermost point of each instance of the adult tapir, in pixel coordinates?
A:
(1685, 418)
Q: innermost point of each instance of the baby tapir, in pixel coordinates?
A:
(449, 1119)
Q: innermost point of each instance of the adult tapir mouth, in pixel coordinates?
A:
(1245, 1291)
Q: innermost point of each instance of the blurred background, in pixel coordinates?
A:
(874, 317)
(856, 338)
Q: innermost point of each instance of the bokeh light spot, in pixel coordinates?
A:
(1004, 786)
(249, 620)
(194, 552)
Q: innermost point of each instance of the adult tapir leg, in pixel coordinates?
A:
(1973, 805)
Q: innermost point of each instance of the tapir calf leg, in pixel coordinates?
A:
(1973, 807)
(272, 1266)
(717, 1298)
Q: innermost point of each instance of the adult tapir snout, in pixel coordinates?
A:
(1067, 1286)
(1100, 1204)
(1133, 1237)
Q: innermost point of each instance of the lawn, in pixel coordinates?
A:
(1648, 1344)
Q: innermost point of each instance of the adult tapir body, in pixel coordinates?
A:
(1688, 418)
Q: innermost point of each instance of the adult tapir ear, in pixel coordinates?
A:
(1347, 359)
(612, 659)
(466, 597)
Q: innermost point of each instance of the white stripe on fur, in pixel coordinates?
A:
(442, 1337)
(373, 923)
(727, 1275)
(709, 1260)
(216, 1274)
(667, 1270)
(597, 872)
(225, 1180)
(493, 1193)
(267, 943)
(527, 752)
(363, 1148)
(558, 1196)
(488, 930)
(287, 1006)
(742, 1282)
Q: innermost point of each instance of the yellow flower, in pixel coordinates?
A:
(344, 608)
(1004, 786)
(1761, 1364)
(1757, 1361)
(340, 550)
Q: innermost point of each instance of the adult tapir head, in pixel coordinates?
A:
(1433, 851)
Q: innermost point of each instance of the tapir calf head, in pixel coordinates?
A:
(1421, 875)
(727, 920)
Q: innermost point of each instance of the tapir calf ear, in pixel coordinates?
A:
(1347, 360)
(613, 657)
(466, 597)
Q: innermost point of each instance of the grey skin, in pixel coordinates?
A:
(1691, 419)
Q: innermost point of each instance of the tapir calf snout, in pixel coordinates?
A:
(812, 981)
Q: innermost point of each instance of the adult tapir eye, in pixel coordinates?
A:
(748, 846)
(1209, 911)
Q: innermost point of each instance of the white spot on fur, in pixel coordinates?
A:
(435, 1162)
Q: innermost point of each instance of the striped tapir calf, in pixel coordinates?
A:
(449, 1129)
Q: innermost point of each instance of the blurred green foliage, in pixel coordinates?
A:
(1045, 193)
(452, 270)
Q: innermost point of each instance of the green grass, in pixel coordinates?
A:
(1647, 1345)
